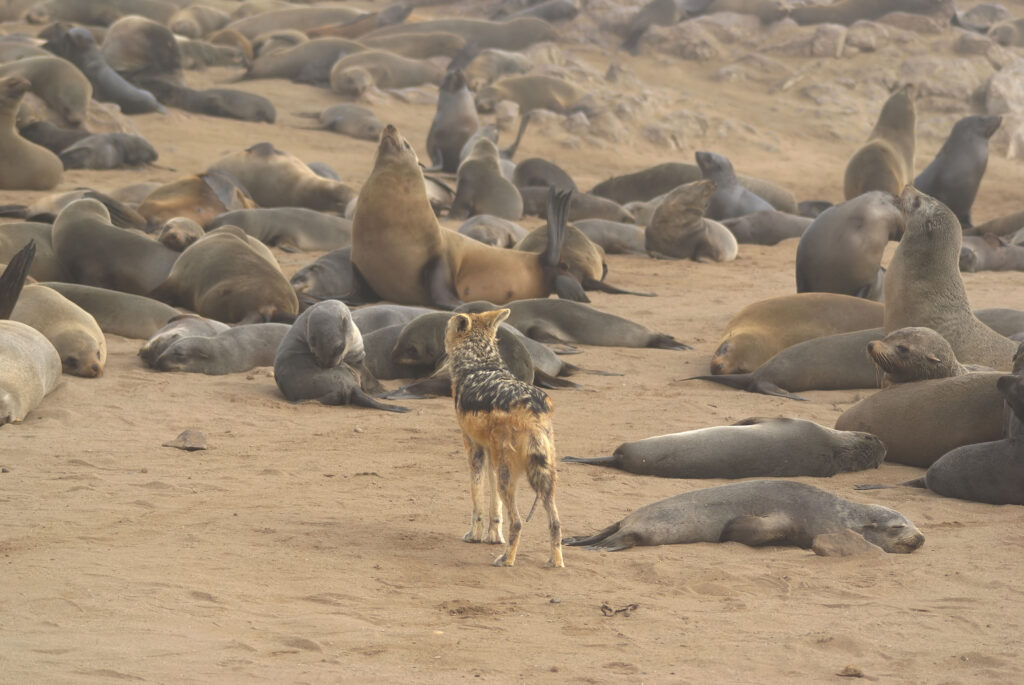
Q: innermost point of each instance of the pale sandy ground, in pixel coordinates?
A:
(323, 544)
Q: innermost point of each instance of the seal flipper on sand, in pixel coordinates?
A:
(591, 284)
(758, 531)
(358, 398)
(437, 280)
(747, 382)
(595, 461)
(362, 292)
(607, 539)
(13, 278)
(662, 341)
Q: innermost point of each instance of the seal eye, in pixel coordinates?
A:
(902, 349)
(406, 144)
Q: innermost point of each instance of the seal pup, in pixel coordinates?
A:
(215, 102)
(224, 277)
(330, 276)
(350, 120)
(991, 472)
(52, 137)
(181, 326)
(913, 354)
(290, 228)
(108, 151)
(614, 237)
(768, 227)
(756, 513)
(117, 313)
(404, 256)
(307, 62)
(179, 232)
(754, 447)
(954, 175)
(374, 317)
(311, 361)
(278, 179)
(23, 165)
(989, 252)
(841, 251)
(762, 329)
(548, 320)
(583, 205)
(536, 171)
(200, 197)
(678, 229)
(235, 350)
(128, 261)
(923, 285)
(886, 160)
(454, 122)
(79, 47)
(492, 230)
(57, 82)
(74, 332)
(353, 74)
(482, 189)
(730, 198)
(196, 21)
(506, 429)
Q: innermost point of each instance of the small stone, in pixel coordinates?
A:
(189, 440)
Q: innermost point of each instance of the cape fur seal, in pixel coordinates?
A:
(755, 447)
(841, 251)
(108, 151)
(679, 230)
(923, 285)
(57, 82)
(405, 256)
(769, 227)
(482, 189)
(762, 329)
(353, 74)
(329, 277)
(223, 277)
(179, 233)
(300, 18)
(308, 62)
(321, 358)
(73, 332)
(730, 198)
(954, 175)
(989, 252)
(277, 179)
(124, 314)
(201, 198)
(23, 165)
(181, 326)
(847, 12)
(350, 120)
(235, 350)
(128, 261)
(216, 102)
(914, 354)
(755, 513)
(532, 92)
(15, 236)
(582, 206)
(919, 422)
(294, 228)
(454, 122)
(30, 367)
(991, 472)
(886, 160)
(514, 34)
(492, 230)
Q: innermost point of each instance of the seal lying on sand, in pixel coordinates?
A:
(184, 326)
(72, 330)
(235, 350)
(753, 447)
(311, 361)
(755, 513)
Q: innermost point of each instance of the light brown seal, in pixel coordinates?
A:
(532, 92)
(919, 422)
(15, 236)
(92, 251)
(886, 160)
(514, 34)
(290, 228)
(277, 179)
(405, 256)
(308, 62)
(223, 277)
(179, 232)
(124, 314)
(196, 21)
(201, 198)
(914, 354)
(678, 229)
(583, 205)
(23, 165)
(74, 332)
(989, 252)
(57, 82)
(756, 513)
(923, 285)
(752, 448)
(350, 120)
(353, 74)
(135, 46)
(841, 251)
(300, 18)
(762, 329)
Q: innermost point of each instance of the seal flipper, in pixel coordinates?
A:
(596, 461)
(543, 380)
(757, 531)
(663, 341)
(747, 383)
(591, 539)
(556, 277)
(358, 398)
(436, 278)
(592, 284)
(915, 483)
(362, 292)
(13, 278)
(508, 152)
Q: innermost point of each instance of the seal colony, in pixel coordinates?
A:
(200, 233)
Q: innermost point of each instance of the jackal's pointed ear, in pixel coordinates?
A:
(494, 317)
(460, 323)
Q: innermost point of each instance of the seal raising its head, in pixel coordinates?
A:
(912, 354)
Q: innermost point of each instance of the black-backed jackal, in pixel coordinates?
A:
(506, 427)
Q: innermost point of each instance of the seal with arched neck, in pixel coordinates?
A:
(886, 160)
(404, 255)
(23, 165)
(923, 285)
(454, 122)
(755, 513)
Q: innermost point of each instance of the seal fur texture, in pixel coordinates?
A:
(886, 160)
(23, 165)
(756, 513)
(507, 430)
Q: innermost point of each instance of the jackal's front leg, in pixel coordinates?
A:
(477, 459)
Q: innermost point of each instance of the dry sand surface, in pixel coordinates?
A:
(323, 544)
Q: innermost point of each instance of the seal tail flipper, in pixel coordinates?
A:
(571, 369)
(558, 218)
(543, 380)
(747, 383)
(510, 151)
(663, 341)
(14, 211)
(591, 539)
(594, 284)
(120, 214)
(916, 483)
(13, 278)
(596, 461)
